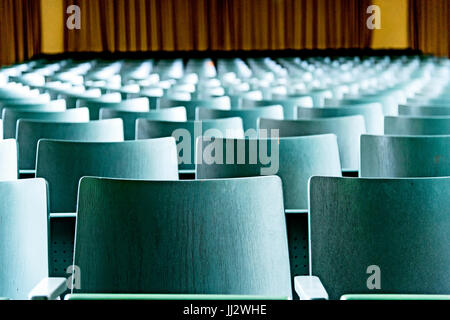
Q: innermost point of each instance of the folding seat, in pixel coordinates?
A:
(372, 113)
(129, 117)
(53, 105)
(8, 159)
(423, 111)
(215, 103)
(137, 104)
(200, 238)
(29, 132)
(289, 105)
(293, 159)
(378, 236)
(23, 236)
(63, 163)
(186, 134)
(405, 125)
(11, 116)
(249, 116)
(347, 129)
(405, 156)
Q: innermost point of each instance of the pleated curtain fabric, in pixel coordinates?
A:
(185, 25)
(429, 26)
(20, 24)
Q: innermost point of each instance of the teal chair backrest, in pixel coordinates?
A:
(404, 125)
(129, 117)
(405, 156)
(216, 103)
(423, 111)
(389, 102)
(54, 106)
(8, 160)
(372, 113)
(347, 129)
(29, 132)
(186, 134)
(23, 236)
(10, 117)
(289, 105)
(190, 237)
(380, 235)
(293, 159)
(249, 116)
(137, 104)
(63, 163)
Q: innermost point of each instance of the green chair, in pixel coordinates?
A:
(388, 101)
(347, 129)
(249, 116)
(405, 156)
(372, 113)
(10, 117)
(8, 160)
(63, 163)
(72, 97)
(186, 134)
(29, 132)
(51, 106)
(191, 105)
(289, 105)
(404, 125)
(293, 159)
(423, 111)
(23, 236)
(378, 236)
(220, 237)
(129, 117)
(137, 105)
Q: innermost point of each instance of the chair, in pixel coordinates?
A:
(193, 244)
(137, 105)
(372, 236)
(293, 159)
(23, 236)
(372, 113)
(289, 105)
(404, 125)
(10, 117)
(191, 105)
(423, 111)
(29, 132)
(347, 129)
(53, 106)
(129, 117)
(388, 101)
(8, 160)
(186, 134)
(63, 163)
(249, 116)
(405, 156)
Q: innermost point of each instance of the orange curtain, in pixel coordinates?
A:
(172, 25)
(429, 26)
(19, 30)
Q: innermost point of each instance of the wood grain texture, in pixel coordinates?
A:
(216, 103)
(8, 160)
(404, 125)
(23, 236)
(10, 117)
(347, 129)
(249, 116)
(150, 129)
(185, 237)
(402, 156)
(129, 117)
(63, 163)
(400, 225)
(30, 131)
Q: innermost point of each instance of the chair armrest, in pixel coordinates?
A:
(48, 289)
(310, 288)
